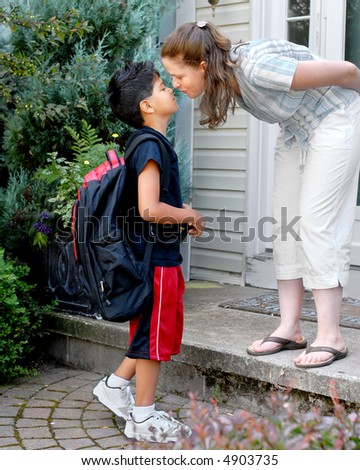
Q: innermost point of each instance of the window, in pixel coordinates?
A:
(298, 21)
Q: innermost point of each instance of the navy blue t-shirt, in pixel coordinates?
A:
(166, 249)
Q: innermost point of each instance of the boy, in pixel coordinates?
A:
(138, 97)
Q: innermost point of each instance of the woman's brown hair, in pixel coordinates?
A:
(197, 42)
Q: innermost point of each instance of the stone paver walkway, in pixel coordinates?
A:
(57, 410)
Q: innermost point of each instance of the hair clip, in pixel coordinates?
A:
(201, 24)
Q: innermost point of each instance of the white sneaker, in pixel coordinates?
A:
(157, 427)
(118, 399)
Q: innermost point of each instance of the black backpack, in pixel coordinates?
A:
(105, 271)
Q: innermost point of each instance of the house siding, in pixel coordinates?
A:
(219, 170)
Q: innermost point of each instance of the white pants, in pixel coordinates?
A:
(315, 200)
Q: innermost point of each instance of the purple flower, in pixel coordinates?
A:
(45, 215)
(42, 228)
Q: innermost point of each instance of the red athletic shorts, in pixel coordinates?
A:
(157, 335)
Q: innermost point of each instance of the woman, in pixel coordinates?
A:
(316, 103)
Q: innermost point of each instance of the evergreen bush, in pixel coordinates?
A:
(63, 54)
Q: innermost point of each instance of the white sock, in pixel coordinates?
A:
(116, 381)
(139, 413)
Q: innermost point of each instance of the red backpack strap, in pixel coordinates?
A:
(114, 159)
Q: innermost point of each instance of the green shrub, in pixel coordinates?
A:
(19, 209)
(20, 323)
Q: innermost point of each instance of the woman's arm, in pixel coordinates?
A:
(320, 73)
(153, 210)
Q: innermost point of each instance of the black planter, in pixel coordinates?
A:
(64, 278)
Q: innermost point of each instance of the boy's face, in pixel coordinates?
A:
(162, 99)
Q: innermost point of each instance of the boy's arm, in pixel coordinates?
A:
(153, 210)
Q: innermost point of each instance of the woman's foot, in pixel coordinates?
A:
(278, 341)
(319, 355)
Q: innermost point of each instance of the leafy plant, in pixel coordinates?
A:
(20, 322)
(43, 230)
(285, 429)
(67, 175)
(85, 141)
(34, 39)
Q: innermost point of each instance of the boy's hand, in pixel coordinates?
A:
(197, 226)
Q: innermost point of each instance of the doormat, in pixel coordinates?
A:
(269, 304)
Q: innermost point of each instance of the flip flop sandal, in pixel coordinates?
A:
(284, 344)
(336, 355)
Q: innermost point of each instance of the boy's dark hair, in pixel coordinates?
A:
(128, 87)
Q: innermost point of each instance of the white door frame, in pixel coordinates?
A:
(262, 136)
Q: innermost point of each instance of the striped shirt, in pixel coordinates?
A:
(264, 70)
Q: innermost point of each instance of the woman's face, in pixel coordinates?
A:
(188, 79)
